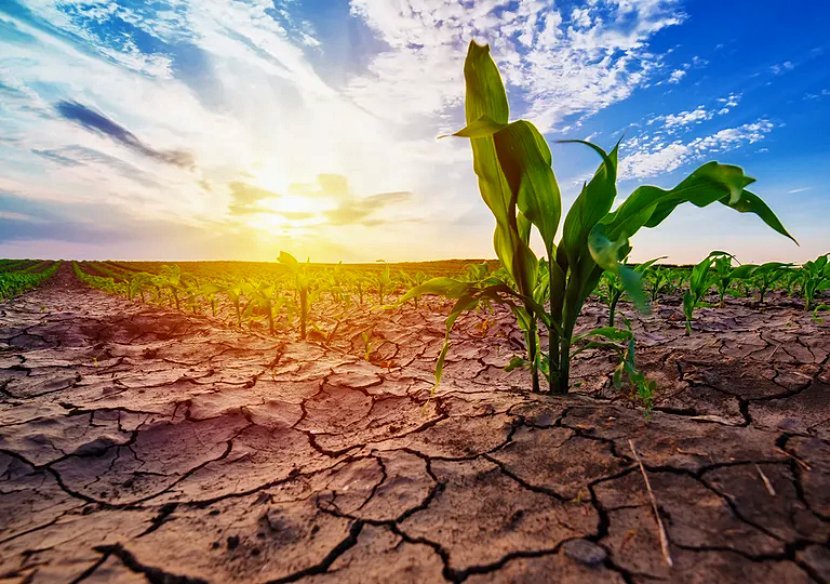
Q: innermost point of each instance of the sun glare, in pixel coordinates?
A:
(293, 205)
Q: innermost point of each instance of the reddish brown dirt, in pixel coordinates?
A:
(138, 444)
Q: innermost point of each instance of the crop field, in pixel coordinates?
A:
(597, 398)
(154, 410)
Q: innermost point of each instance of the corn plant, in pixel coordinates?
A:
(814, 277)
(657, 279)
(259, 295)
(513, 164)
(613, 289)
(209, 290)
(137, 284)
(383, 284)
(301, 287)
(723, 273)
(170, 278)
(763, 277)
(699, 284)
(790, 279)
(358, 286)
(415, 279)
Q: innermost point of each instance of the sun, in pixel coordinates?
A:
(289, 205)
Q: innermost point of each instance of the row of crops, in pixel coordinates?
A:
(314, 300)
(275, 297)
(718, 276)
(18, 276)
(284, 296)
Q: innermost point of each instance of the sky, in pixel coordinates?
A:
(233, 129)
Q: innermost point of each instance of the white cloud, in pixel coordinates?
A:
(728, 103)
(672, 123)
(563, 65)
(696, 115)
(676, 76)
(781, 68)
(652, 157)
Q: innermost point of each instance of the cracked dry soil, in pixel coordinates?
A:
(139, 444)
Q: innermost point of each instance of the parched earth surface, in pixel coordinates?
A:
(140, 444)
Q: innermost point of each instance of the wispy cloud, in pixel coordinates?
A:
(781, 68)
(92, 120)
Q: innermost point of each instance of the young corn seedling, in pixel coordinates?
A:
(234, 293)
(383, 284)
(301, 287)
(723, 273)
(209, 290)
(699, 284)
(658, 279)
(170, 278)
(762, 278)
(359, 287)
(138, 283)
(790, 280)
(614, 289)
(264, 296)
(815, 276)
(513, 164)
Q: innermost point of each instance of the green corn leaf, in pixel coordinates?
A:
(516, 363)
(608, 332)
(743, 271)
(608, 255)
(713, 182)
(486, 97)
(486, 100)
(443, 286)
(592, 204)
(480, 128)
(289, 260)
(641, 268)
(463, 304)
(606, 252)
(525, 160)
(752, 203)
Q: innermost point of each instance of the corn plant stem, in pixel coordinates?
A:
(556, 288)
(571, 307)
(612, 307)
(303, 312)
(564, 365)
(532, 354)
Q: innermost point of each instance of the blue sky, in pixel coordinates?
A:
(205, 129)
